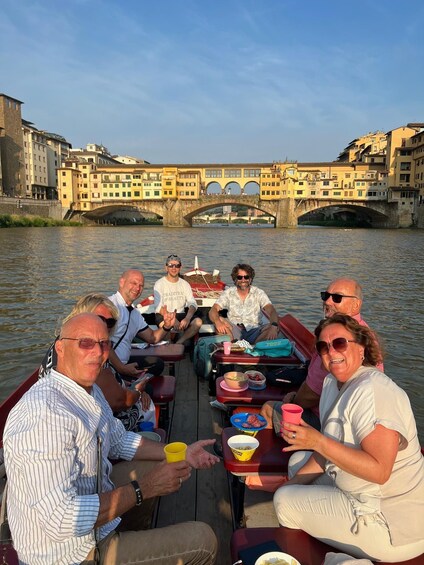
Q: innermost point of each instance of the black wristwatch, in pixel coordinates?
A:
(138, 493)
(166, 329)
(274, 324)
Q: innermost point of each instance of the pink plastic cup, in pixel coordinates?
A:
(292, 413)
(227, 347)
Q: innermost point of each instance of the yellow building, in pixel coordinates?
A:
(364, 148)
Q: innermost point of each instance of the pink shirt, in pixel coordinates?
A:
(317, 372)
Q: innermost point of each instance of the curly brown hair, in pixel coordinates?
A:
(242, 267)
(361, 334)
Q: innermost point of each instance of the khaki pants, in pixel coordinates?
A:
(189, 543)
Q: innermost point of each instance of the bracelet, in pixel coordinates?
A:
(138, 493)
(166, 329)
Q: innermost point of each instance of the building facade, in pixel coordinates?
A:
(11, 147)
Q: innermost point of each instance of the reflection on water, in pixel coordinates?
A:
(45, 270)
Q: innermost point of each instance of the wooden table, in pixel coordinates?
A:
(245, 359)
(250, 397)
(268, 458)
(169, 353)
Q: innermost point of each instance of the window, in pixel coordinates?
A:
(213, 173)
(326, 183)
(136, 193)
(232, 173)
(405, 166)
(404, 178)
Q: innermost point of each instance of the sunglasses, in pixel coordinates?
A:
(241, 277)
(174, 265)
(89, 343)
(337, 298)
(339, 344)
(110, 322)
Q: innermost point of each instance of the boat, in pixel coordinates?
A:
(206, 287)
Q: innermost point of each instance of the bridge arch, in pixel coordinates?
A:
(373, 216)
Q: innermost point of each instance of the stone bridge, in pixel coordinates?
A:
(180, 213)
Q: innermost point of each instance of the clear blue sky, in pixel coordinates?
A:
(214, 81)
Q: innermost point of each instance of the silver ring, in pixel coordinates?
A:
(294, 435)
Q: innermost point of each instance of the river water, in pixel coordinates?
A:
(44, 271)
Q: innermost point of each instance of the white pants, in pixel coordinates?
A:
(323, 511)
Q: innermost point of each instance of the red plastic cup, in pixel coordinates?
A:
(292, 413)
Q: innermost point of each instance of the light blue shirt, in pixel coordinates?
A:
(50, 450)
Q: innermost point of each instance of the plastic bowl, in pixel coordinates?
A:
(243, 447)
(276, 557)
(256, 380)
(235, 380)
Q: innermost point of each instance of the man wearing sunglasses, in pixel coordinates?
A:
(65, 498)
(343, 296)
(131, 324)
(244, 304)
(174, 293)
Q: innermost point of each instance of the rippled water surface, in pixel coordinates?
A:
(44, 271)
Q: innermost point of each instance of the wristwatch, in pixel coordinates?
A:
(274, 324)
(138, 493)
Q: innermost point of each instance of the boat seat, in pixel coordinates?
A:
(163, 389)
(306, 549)
(295, 331)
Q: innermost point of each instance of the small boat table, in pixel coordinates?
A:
(268, 458)
(170, 353)
(220, 359)
(250, 397)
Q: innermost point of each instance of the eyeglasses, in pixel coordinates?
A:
(110, 322)
(339, 344)
(241, 277)
(174, 265)
(89, 343)
(337, 298)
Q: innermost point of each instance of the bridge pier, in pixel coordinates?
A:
(285, 215)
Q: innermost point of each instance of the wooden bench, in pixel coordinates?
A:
(306, 549)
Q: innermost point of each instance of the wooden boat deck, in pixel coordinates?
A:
(205, 496)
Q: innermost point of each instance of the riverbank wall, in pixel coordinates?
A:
(29, 207)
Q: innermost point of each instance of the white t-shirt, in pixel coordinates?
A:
(349, 415)
(176, 296)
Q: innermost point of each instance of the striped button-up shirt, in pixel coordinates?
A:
(50, 449)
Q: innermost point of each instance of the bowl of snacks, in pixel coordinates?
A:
(243, 447)
(236, 380)
(276, 558)
(255, 380)
(248, 423)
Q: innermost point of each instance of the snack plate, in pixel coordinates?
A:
(237, 420)
(224, 386)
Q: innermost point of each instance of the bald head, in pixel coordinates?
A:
(131, 285)
(82, 349)
(351, 302)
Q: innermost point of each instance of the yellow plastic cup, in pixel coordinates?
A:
(175, 451)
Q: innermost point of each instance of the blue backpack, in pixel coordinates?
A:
(202, 355)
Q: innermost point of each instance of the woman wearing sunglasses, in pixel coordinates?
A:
(131, 406)
(362, 489)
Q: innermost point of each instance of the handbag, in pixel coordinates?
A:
(272, 348)
(288, 377)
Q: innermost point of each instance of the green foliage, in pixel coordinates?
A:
(14, 221)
